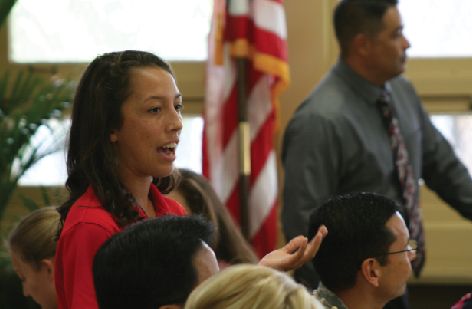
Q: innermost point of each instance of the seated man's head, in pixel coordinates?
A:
(155, 263)
(367, 245)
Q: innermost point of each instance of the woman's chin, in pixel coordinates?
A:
(164, 172)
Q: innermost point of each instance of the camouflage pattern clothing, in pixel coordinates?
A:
(328, 299)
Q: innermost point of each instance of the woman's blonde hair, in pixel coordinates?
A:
(250, 286)
(33, 240)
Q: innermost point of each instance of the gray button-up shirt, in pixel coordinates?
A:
(336, 143)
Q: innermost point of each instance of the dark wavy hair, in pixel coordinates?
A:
(230, 245)
(91, 159)
(357, 231)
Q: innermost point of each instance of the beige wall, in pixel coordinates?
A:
(311, 51)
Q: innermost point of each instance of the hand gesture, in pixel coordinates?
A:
(285, 259)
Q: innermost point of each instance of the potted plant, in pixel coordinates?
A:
(27, 102)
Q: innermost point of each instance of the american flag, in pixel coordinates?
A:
(255, 30)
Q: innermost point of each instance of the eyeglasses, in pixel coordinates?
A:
(412, 247)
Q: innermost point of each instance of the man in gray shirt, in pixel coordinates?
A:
(337, 141)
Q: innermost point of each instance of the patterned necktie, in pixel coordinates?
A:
(407, 180)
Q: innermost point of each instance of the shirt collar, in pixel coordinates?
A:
(328, 298)
(362, 87)
(160, 205)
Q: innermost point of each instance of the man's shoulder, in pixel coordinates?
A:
(328, 99)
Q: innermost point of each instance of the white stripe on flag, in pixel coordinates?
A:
(259, 105)
(270, 16)
(263, 195)
(225, 171)
(238, 7)
(223, 162)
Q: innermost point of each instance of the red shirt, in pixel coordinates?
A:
(464, 303)
(86, 228)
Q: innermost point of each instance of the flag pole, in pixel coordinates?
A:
(244, 145)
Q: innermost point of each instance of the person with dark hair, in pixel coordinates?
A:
(364, 261)
(198, 197)
(125, 127)
(155, 263)
(363, 129)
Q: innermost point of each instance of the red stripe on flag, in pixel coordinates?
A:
(281, 2)
(267, 51)
(229, 123)
(205, 154)
(269, 43)
(261, 147)
(265, 240)
(264, 41)
(233, 204)
(237, 27)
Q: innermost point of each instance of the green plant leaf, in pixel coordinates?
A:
(29, 203)
(5, 9)
(45, 194)
(27, 101)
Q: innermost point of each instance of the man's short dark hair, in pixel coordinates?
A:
(352, 17)
(356, 231)
(150, 263)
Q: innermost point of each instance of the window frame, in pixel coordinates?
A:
(443, 84)
(189, 76)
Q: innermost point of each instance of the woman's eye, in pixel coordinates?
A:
(179, 107)
(155, 110)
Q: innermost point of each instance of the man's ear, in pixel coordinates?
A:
(361, 45)
(371, 271)
(47, 265)
(171, 307)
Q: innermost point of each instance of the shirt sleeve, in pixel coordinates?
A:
(464, 303)
(76, 251)
(443, 171)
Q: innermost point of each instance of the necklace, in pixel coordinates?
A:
(139, 205)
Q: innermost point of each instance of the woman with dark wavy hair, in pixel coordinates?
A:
(198, 197)
(125, 127)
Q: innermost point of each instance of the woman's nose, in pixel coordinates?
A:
(175, 121)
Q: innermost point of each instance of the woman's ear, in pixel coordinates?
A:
(370, 269)
(47, 265)
(113, 136)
